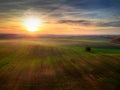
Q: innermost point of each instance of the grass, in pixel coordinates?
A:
(46, 64)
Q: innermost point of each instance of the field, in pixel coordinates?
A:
(59, 64)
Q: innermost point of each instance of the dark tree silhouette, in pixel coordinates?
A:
(88, 49)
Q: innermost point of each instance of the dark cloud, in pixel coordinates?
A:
(109, 24)
(88, 22)
(76, 22)
(37, 4)
(9, 1)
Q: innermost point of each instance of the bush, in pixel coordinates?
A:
(88, 49)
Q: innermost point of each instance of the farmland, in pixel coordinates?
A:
(59, 64)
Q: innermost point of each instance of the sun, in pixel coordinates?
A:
(32, 24)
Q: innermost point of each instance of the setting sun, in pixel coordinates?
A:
(32, 24)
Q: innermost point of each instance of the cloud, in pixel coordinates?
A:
(75, 22)
(90, 23)
(109, 24)
(61, 8)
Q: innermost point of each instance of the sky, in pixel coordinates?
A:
(76, 17)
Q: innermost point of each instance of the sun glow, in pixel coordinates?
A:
(32, 24)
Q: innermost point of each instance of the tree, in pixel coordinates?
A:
(88, 49)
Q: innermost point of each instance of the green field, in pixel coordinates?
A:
(59, 64)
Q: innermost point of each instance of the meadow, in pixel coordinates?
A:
(59, 64)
